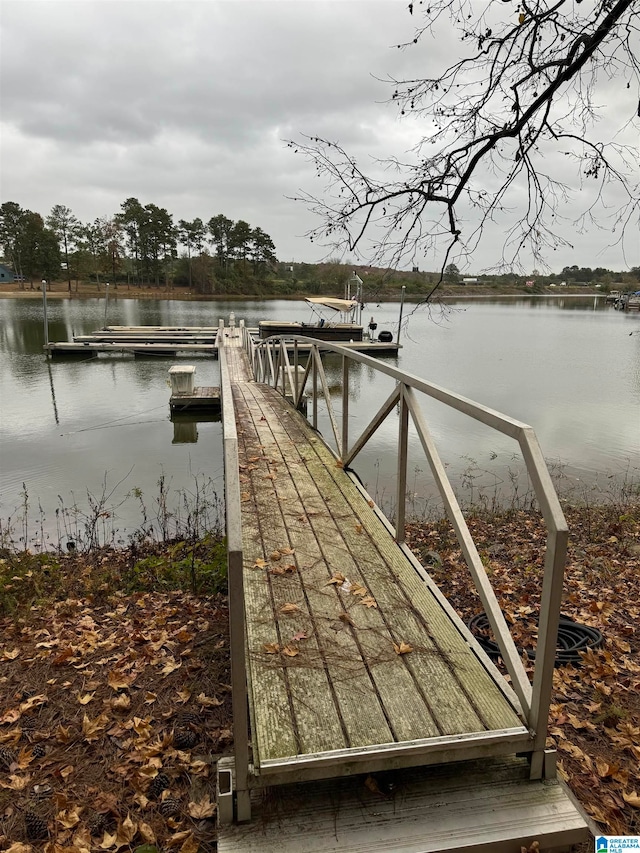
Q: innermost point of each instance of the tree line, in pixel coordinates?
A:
(138, 245)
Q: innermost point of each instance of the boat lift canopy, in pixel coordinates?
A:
(345, 306)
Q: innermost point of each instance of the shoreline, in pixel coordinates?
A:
(172, 296)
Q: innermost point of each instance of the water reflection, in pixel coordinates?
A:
(567, 366)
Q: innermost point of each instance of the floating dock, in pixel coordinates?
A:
(168, 341)
(201, 399)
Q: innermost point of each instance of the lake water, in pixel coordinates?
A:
(99, 431)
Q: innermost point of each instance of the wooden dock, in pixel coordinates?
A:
(351, 659)
(203, 399)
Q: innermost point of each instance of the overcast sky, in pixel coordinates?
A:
(187, 105)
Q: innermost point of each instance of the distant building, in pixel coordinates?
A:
(469, 280)
(6, 275)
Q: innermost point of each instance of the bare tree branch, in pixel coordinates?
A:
(525, 88)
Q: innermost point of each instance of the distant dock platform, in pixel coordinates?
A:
(169, 341)
(140, 341)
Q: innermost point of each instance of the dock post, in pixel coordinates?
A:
(44, 307)
(106, 303)
(404, 287)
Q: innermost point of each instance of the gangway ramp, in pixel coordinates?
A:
(351, 660)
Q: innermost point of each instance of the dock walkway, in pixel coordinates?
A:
(353, 660)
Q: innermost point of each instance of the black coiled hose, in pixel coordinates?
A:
(573, 638)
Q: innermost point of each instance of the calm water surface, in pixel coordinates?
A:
(569, 367)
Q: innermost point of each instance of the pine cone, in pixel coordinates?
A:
(35, 826)
(158, 785)
(187, 717)
(97, 824)
(28, 724)
(184, 738)
(169, 807)
(7, 757)
(39, 750)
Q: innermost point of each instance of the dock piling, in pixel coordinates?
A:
(44, 306)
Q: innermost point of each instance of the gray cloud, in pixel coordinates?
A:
(187, 104)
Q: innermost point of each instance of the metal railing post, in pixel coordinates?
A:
(235, 580)
(314, 421)
(401, 494)
(344, 450)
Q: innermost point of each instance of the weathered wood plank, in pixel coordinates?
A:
(346, 687)
(335, 651)
(465, 694)
(486, 698)
(289, 715)
(405, 708)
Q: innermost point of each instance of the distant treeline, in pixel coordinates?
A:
(139, 245)
(142, 246)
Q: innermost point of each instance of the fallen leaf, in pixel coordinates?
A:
(63, 656)
(121, 703)
(63, 735)
(68, 818)
(402, 648)
(369, 601)
(170, 666)
(337, 578)
(260, 563)
(271, 648)
(33, 702)
(204, 808)
(290, 651)
(301, 635)
(146, 832)
(191, 845)
(371, 784)
(84, 700)
(289, 608)
(120, 680)
(125, 832)
(18, 847)
(632, 798)
(275, 556)
(10, 655)
(358, 589)
(16, 783)
(90, 728)
(209, 701)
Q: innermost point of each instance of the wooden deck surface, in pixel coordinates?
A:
(348, 649)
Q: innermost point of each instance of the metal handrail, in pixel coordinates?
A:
(534, 697)
(235, 581)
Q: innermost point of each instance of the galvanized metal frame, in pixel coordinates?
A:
(534, 699)
(235, 580)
